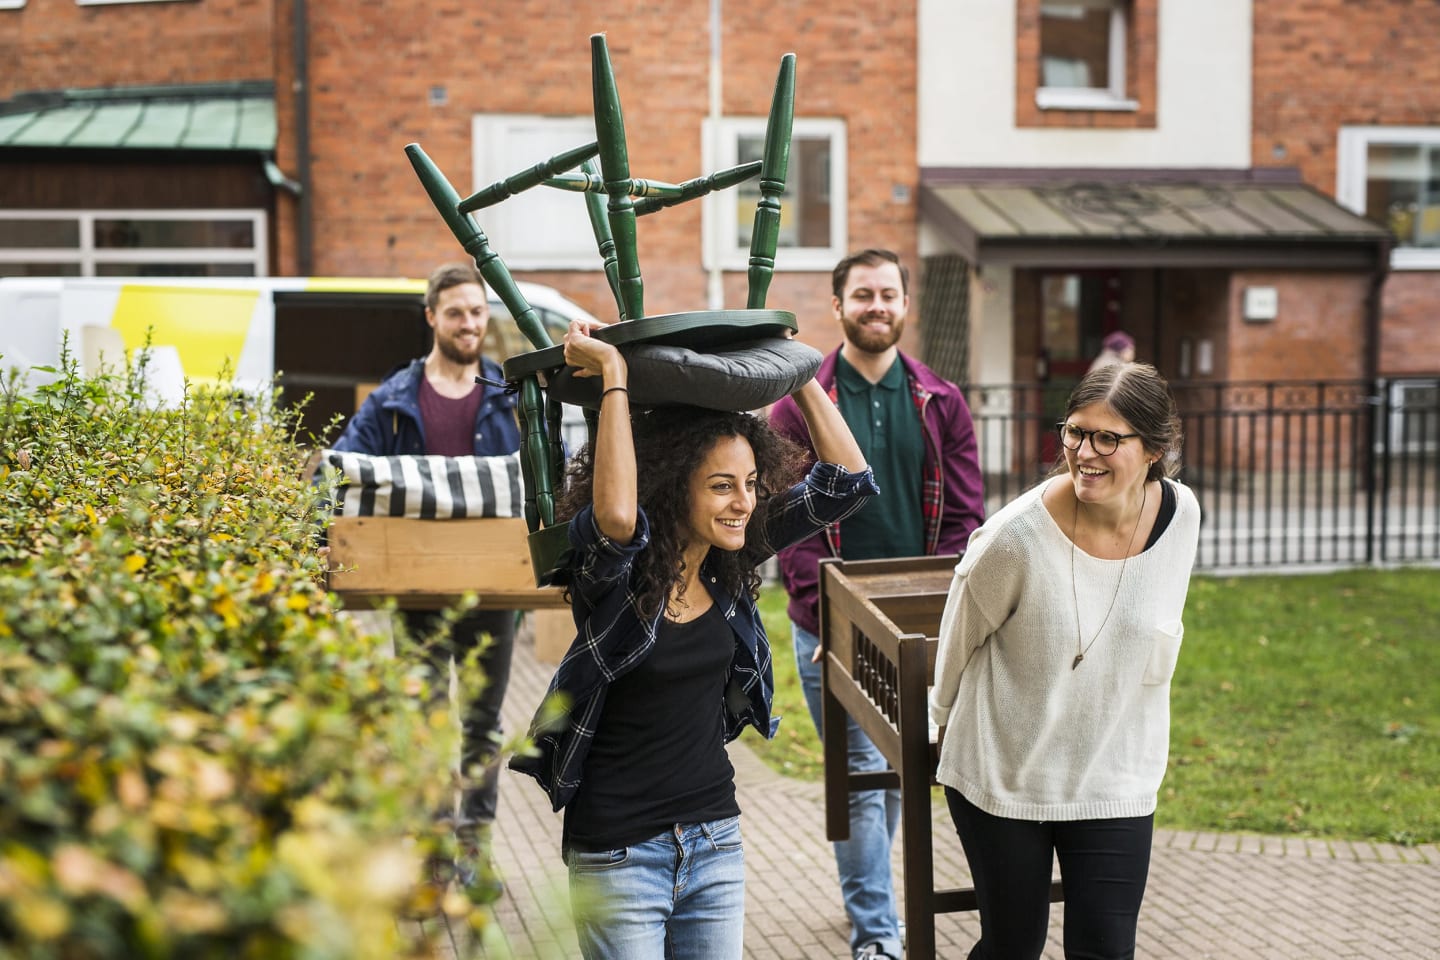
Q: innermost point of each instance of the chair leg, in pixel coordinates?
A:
(765, 234)
(473, 239)
(600, 226)
(615, 167)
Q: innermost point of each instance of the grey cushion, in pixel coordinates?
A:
(744, 376)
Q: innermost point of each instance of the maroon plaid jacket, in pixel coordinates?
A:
(951, 496)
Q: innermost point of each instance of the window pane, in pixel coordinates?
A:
(1402, 191)
(39, 269)
(1060, 315)
(1075, 46)
(133, 234)
(174, 269)
(805, 202)
(21, 234)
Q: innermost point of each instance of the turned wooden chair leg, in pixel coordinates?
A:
(475, 243)
(615, 168)
(765, 235)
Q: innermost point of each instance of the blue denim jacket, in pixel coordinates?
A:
(388, 422)
(612, 636)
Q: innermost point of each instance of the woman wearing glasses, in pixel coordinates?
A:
(1059, 637)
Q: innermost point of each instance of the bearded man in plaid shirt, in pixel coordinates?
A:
(917, 435)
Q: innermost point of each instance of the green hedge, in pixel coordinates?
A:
(197, 758)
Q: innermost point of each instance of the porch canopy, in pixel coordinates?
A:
(212, 117)
(1074, 218)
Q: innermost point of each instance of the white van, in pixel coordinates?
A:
(326, 337)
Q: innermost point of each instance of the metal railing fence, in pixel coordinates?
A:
(1288, 473)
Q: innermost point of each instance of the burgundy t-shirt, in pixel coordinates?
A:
(449, 424)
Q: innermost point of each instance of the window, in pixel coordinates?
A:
(1392, 176)
(812, 207)
(1082, 55)
(133, 243)
(11, 4)
(542, 228)
(1415, 415)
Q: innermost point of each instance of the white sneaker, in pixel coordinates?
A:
(871, 951)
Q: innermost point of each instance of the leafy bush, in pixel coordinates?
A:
(197, 757)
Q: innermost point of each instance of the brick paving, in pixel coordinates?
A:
(1222, 896)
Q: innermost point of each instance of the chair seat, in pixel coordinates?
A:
(721, 359)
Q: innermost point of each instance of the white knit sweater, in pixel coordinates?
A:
(1026, 736)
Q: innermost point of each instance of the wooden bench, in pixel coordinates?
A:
(878, 626)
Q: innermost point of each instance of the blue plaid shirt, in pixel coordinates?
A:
(613, 637)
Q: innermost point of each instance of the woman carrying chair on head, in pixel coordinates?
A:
(671, 512)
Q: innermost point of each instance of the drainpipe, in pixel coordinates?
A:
(305, 226)
(1373, 310)
(716, 285)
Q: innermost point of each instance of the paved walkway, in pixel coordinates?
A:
(1222, 896)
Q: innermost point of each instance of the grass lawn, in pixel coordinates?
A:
(1305, 705)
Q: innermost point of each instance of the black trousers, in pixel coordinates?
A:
(479, 710)
(1103, 865)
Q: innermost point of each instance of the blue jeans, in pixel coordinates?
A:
(677, 896)
(863, 860)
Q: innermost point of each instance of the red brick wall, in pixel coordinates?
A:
(372, 66)
(1325, 64)
(1143, 36)
(1317, 334)
(1410, 340)
(1238, 417)
(57, 45)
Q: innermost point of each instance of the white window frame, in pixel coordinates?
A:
(720, 211)
(1351, 166)
(1095, 98)
(11, 4)
(1406, 414)
(497, 152)
(87, 255)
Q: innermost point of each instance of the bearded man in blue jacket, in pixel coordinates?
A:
(435, 405)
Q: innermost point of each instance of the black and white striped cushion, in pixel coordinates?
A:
(429, 487)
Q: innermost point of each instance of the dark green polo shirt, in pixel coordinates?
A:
(887, 426)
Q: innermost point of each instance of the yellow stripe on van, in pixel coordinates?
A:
(364, 285)
(206, 327)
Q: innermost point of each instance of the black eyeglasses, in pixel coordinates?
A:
(1103, 442)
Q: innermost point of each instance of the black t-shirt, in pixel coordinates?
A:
(659, 758)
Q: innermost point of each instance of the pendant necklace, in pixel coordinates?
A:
(1081, 650)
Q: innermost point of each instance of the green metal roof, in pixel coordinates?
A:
(230, 116)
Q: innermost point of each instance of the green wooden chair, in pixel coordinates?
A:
(667, 352)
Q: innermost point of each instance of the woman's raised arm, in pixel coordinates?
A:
(830, 434)
(615, 498)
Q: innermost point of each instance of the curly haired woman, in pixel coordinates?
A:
(672, 512)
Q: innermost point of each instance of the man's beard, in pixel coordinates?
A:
(873, 341)
(455, 354)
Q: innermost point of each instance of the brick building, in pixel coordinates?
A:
(487, 91)
(1055, 169)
